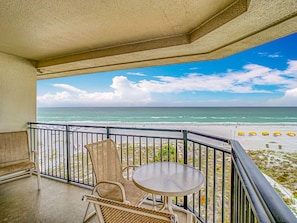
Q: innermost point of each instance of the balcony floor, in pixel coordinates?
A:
(20, 201)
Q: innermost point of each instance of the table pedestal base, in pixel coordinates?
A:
(167, 206)
(167, 203)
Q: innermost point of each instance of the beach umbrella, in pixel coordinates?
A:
(240, 133)
(277, 133)
(291, 133)
(252, 133)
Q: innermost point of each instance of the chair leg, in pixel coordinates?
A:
(36, 158)
(38, 178)
(87, 216)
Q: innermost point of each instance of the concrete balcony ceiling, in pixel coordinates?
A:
(73, 37)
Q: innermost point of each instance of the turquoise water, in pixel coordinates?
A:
(168, 115)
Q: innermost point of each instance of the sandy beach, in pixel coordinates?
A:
(256, 137)
(249, 135)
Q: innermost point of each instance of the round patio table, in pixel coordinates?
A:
(168, 179)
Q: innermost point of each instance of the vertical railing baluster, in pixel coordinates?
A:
(206, 183)
(223, 188)
(68, 152)
(127, 149)
(133, 150)
(82, 158)
(168, 150)
(59, 153)
(65, 153)
(154, 149)
(200, 168)
(232, 215)
(139, 147)
(176, 151)
(47, 151)
(185, 141)
(147, 148)
(121, 148)
(214, 184)
(56, 162)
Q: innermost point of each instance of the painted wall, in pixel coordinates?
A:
(17, 93)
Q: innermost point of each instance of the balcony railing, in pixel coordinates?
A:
(234, 189)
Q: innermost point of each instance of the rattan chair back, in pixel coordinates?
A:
(105, 160)
(107, 167)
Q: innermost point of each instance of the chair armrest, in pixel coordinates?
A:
(127, 169)
(130, 166)
(117, 184)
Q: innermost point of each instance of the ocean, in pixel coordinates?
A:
(165, 115)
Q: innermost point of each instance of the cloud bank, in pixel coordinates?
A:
(252, 79)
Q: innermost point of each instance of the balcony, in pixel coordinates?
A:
(234, 189)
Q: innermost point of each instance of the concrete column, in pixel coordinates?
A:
(17, 93)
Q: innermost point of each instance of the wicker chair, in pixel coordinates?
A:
(110, 183)
(109, 211)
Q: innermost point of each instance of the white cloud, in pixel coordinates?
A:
(292, 69)
(69, 88)
(137, 74)
(289, 99)
(125, 93)
(193, 68)
(243, 81)
(252, 78)
(275, 55)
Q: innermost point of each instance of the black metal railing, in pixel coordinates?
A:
(228, 194)
(253, 198)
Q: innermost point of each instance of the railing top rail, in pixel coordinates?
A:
(106, 126)
(222, 139)
(271, 201)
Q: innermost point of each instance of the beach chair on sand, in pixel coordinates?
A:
(110, 183)
(109, 211)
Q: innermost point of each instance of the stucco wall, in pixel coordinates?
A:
(17, 93)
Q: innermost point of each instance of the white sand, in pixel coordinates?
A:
(283, 142)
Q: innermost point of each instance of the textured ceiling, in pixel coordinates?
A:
(85, 36)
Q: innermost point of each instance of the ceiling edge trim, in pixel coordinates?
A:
(232, 11)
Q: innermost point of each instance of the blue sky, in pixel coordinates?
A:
(262, 76)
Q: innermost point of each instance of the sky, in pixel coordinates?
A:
(262, 76)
